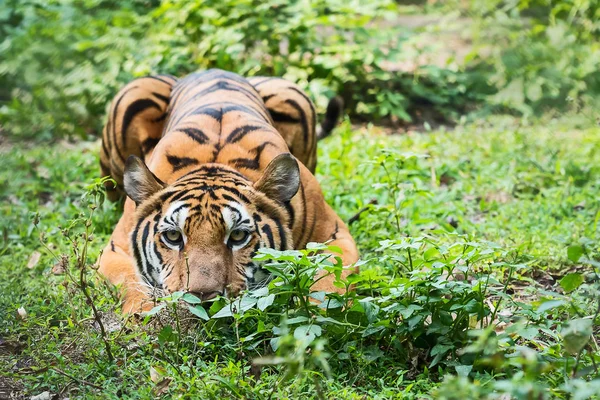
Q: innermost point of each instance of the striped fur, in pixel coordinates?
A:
(217, 176)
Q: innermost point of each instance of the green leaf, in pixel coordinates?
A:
(175, 296)
(549, 305)
(463, 370)
(155, 310)
(372, 329)
(528, 333)
(571, 281)
(319, 296)
(577, 334)
(199, 312)
(296, 320)
(265, 302)
(408, 311)
(331, 304)
(574, 252)
(263, 291)
(223, 312)
(441, 349)
(307, 333)
(191, 299)
(238, 306)
(325, 320)
(372, 353)
(166, 335)
(371, 310)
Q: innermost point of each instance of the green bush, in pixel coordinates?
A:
(545, 54)
(63, 60)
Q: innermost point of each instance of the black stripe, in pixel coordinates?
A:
(175, 211)
(164, 196)
(136, 249)
(282, 117)
(114, 167)
(337, 230)
(160, 96)
(214, 170)
(268, 97)
(310, 103)
(161, 118)
(172, 268)
(149, 144)
(224, 107)
(134, 109)
(145, 235)
(282, 238)
(181, 162)
(312, 138)
(245, 109)
(302, 120)
(104, 140)
(252, 163)
(195, 134)
(290, 210)
(206, 179)
(157, 77)
(154, 247)
(112, 245)
(138, 256)
(241, 197)
(267, 231)
(114, 122)
(216, 150)
(238, 214)
(226, 86)
(238, 133)
(211, 112)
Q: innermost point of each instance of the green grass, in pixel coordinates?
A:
(466, 221)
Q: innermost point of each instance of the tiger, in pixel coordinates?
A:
(214, 167)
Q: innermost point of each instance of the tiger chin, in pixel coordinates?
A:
(214, 167)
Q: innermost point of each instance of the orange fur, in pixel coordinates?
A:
(215, 146)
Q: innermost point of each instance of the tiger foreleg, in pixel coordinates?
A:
(117, 265)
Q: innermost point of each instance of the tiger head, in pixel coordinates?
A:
(200, 233)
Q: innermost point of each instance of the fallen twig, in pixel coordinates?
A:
(80, 381)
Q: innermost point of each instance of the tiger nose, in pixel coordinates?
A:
(207, 295)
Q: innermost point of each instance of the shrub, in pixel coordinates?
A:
(544, 54)
(63, 60)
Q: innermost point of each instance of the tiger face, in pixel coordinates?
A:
(200, 233)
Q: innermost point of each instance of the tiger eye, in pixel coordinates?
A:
(173, 237)
(237, 236)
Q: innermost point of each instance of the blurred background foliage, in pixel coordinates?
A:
(404, 62)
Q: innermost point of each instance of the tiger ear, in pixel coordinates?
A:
(139, 182)
(281, 179)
